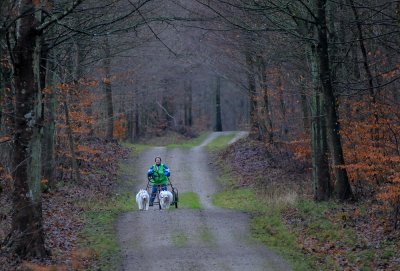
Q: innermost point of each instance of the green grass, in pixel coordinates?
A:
(189, 200)
(136, 148)
(220, 142)
(189, 143)
(317, 222)
(169, 142)
(98, 234)
(266, 225)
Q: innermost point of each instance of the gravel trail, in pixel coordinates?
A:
(184, 239)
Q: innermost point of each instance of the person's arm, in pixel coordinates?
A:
(166, 171)
(150, 172)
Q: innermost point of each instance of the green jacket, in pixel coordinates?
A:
(159, 176)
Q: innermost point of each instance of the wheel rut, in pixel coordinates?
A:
(210, 238)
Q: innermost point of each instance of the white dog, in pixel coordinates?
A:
(166, 199)
(142, 199)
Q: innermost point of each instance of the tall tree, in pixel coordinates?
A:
(26, 237)
(342, 185)
(218, 117)
(108, 89)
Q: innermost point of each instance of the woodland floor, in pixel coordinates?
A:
(62, 210)
(337, 236)
(360, 235)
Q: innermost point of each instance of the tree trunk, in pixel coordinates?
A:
(371, 88)
(320, 165)
(50, 127)
(364, 54)
(27, 238)
(188, 104)
(265, 116)
(218, 119)
(342, 186)
(282, 105)
(136, 127)
(251, 80)
(6, 95)
(108, 90)
(305, 108)
(74, 162)
(129, 130)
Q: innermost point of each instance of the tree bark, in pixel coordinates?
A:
(320, 164)
(218, 119)
(108, 90)
(282, 105)
(50, 127)
(251, 80)
(305, 108)
(74, 161)
(27, 238)
(188, 104)
(342, 186)
(265, 116)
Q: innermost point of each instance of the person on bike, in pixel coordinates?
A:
(159, 174)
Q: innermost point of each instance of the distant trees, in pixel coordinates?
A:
(339, 60)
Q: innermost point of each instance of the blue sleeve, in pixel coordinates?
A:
(150, 171)
(166, 171)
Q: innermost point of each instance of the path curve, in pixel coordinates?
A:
(184, 239)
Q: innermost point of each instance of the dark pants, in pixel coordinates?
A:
(154, 191)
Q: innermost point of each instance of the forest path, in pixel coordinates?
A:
(210, 238)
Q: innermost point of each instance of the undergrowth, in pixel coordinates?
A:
(266, 224)
(310, 235)
(99, 234)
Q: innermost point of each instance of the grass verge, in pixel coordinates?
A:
(169, 142)
(98, 234)
(189, 143)
(309, 235)
(266, 225)
(189, 200)
(220, 142)
(136, 148)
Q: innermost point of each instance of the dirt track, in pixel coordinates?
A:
(186, 239)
